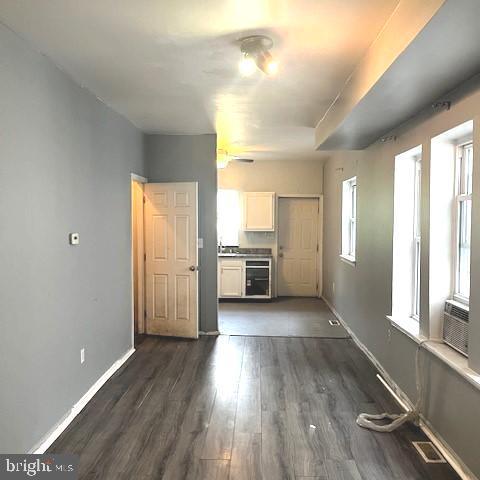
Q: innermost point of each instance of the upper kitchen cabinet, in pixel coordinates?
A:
(259, 211)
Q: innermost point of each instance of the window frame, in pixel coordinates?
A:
(461, 195)
(349, 219)
(417, 238)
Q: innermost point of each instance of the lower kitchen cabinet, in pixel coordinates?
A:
(230, 278)
(248, 278)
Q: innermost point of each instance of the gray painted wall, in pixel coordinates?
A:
(192, 158)
(65, 163)
(362, 294)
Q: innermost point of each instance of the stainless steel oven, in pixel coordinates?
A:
(258, 278)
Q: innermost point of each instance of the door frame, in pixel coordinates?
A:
(319, 260)
(140, 255)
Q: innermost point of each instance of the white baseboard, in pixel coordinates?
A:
(56, 431)
(214, 333)
(402, 399)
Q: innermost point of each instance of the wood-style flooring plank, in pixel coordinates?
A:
(226, 376)
(249, 407)
(246, 462)
(342, 470)
(277, 447)
(243, 407)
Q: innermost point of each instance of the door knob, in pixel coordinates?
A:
(280, 254)
(193, 268)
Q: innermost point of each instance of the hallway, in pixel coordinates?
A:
(242, 408)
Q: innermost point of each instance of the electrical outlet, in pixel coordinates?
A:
(333, 288)
(82, 355)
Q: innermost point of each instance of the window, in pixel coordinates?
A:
(407, 238)
(416, 237)
(228, 217)
(463, 221)
(349, 218)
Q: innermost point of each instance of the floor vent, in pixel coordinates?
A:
(334, 323)
(429, 452)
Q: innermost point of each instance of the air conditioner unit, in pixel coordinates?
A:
(455, 326)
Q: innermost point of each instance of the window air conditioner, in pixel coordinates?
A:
(455, 326)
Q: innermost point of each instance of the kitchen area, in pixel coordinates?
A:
(269, 252)
(245, 272)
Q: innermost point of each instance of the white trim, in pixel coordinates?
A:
(213, 333)
(299, 195)
(320, 247)
(456, 361)
(348, 259)
(57, 430)
(140, 260)
(452, 358)
(402, 399)
(408, 325)
(349, 219)
(450, 456)
(138, 178)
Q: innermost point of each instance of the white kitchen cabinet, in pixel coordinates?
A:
(231, 278)
(259, 211)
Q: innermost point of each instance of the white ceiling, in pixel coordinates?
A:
(171, 66)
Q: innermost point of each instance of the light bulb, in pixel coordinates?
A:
(272, 67)
(247, 66)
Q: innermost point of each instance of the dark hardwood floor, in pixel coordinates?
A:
(243, 408)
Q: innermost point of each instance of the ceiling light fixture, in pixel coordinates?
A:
(256, 52)
(247, 66)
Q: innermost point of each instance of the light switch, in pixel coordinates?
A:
(74, 238)
(200, 243)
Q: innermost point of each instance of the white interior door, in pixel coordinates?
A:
(298, 247)
(171, 259)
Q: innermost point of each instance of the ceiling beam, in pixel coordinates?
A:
(407, 21)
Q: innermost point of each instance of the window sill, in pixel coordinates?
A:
(448, 355)
(348, 259)
(408, 326)
(455, 360)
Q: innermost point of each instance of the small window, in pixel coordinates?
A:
(228, 217)
(463, 221)
(349, 218)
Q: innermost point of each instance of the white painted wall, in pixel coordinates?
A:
(362, 293)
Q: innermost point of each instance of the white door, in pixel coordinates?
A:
(171, 261)
(298, 247)
(231, 279)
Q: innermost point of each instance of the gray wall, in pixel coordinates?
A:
(65, 163)
(192, 158)
(362, 293)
